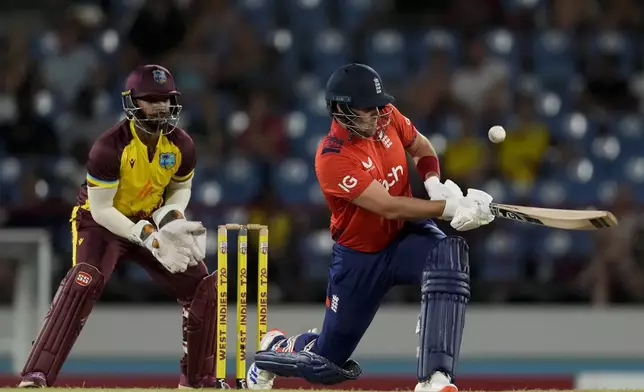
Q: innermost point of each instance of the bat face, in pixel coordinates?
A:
(556, 218)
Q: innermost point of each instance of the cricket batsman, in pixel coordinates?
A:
(131, 207)
(383, 238)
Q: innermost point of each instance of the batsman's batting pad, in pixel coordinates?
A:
(201, 331)
(67, 315)
(307, 365)
(445, 293)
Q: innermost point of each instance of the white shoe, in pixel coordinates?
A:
(439, 382)
(263, 379)
(257, 378)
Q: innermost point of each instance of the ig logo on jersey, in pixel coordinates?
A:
(348, 183)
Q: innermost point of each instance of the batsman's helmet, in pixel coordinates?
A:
(358, 86)
(151, 83)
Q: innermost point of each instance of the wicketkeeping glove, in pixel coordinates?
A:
(174, 259)
(191, 235)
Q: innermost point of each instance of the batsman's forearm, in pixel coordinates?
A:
(403, 208)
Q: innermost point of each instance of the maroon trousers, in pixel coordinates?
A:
(100, 248)
(96, 253)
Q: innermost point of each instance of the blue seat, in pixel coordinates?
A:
(237, 182)
(629, 169)
(385, 51)
(294, 180)
(261, 13)
(553, 55)
(629, 130)
(306, 146)
(551, 244)
(208, 191)
(315, 108)
(328, 53)
(505, 45)
(11, 170)
(616, 44)
(577, 127)
(512, 6)
(552, 108)
(288, 48)
(604, 150)
(639, 192)
(549, 193)
(502, 192)
(583, 194)
(42, 45)
(502, 255)
(606, 190)
(240, 180)
(420, 46)
(306, 16)
(317, 252)
(353, 13)
(306, 85)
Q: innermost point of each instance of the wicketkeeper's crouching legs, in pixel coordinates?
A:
(200, 337)
(67, 315)
(196, 292)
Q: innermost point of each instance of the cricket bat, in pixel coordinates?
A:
(556, 218)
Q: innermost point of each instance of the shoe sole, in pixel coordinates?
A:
(29, 385)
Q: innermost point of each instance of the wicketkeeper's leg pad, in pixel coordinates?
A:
(201, 331)
(67, 315)
(307, 365)
(445, 294)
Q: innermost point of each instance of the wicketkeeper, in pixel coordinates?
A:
(131, 207)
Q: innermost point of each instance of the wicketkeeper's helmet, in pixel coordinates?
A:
(151, 83)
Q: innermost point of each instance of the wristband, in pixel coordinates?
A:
(428, 164)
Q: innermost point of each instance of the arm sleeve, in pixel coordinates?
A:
(103, 166)
(406, 130)
(178, 193)
(340, 176)
(101, 202)
(188, 159)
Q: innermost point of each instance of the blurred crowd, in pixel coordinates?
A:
(564, 77)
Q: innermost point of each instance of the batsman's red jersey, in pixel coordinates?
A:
(345, 166)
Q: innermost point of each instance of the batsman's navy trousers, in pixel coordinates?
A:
(359, 281)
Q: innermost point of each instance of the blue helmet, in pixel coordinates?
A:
(358, 86)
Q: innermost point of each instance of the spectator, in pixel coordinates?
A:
(482, 84)
(72, 63)
(264, 138)
(90, 114)
(573, 15)
(616, 271)
(466, 159)
(428, 92)
(521, 154)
